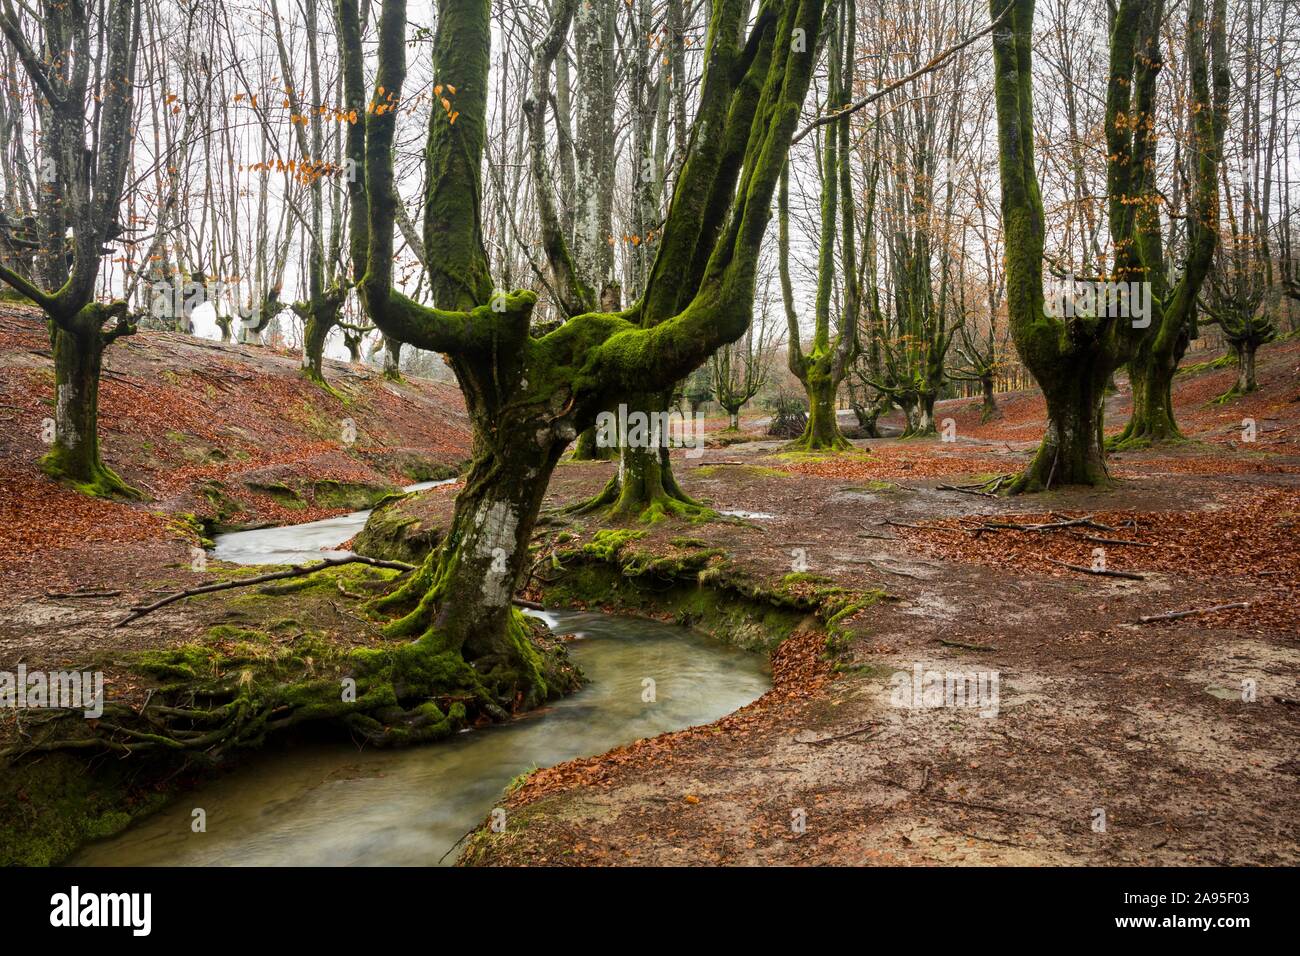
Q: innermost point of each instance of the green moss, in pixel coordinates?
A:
(353, 495)
(393, 534)
(284, 495)
(52, 804)
(187, 662)
(608, 542)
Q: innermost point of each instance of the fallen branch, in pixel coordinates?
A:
(293, 572)
(967, 491)
(61, 595)
(1179, 615)
(1084, 522)
(919, 527)
(1103, 572)
(820, 741)
(298, 570)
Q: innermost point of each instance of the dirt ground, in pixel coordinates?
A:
(1097, 714)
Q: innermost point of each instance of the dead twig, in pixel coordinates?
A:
(1179, 615)
(821, 741)
(1102, 572)
(967, 491)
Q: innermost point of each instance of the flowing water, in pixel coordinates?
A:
(295, 543)
(333, 804)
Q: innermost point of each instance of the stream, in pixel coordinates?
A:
(335, 805)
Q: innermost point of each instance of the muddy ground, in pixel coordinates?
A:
(1096, 713)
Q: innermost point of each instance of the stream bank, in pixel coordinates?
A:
(275, 633)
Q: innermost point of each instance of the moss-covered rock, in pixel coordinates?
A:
(393, 534)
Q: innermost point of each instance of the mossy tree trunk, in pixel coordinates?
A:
(1136, 207)
(392, 359)
(318, 320)
(78, 359)
(458, 605)
(78, 210)
(1151, 377)
(1070, 359)
(823, 367)
(1071, 452)
(867, 411)
(588, 449)
(529, 396)
(1245, 325)
(1246, 381)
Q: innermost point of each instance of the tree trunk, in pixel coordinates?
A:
(822, 433)
(586, 448)
(868, 416)
(392, 359)
(989, 410)
(925, 426)
(647, 488)
(457, 607)
(1071, 452)
(733, 420)
(315, 330)
(74, 455)
(1246, 381)
(1151, 376)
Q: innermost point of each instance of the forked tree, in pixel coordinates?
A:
(1072, 356)
(739, 369)
(1137, 205)
(82, 69)
(529, 395)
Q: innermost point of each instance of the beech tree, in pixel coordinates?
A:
(529, 395)
(1240, 296)
(82, 67)
(823, 367)
(917, 144)
(1072, 356)
(1136, 203)
(325, 290)
(738, 370)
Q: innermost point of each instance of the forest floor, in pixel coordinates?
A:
(1098, 714)
(1145, 722)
